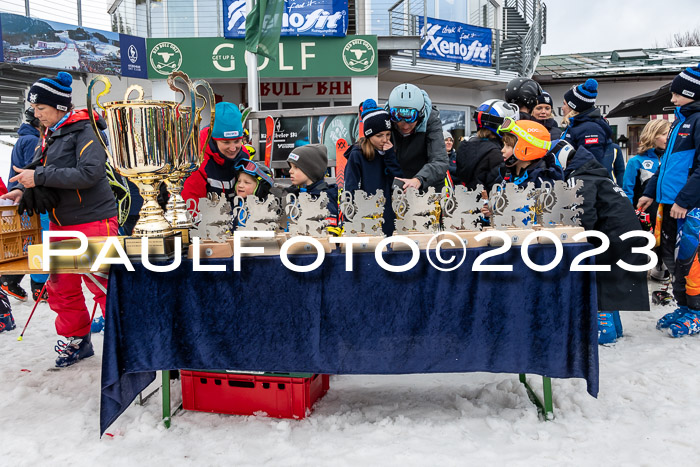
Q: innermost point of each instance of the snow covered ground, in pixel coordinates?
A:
(647, 413)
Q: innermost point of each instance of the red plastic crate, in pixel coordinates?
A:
(246, 394)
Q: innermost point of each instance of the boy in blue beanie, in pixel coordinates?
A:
(676, 187)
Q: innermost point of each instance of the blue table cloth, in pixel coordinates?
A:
(368, 321)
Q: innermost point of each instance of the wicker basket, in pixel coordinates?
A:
(17, 233)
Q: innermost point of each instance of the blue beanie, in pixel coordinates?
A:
(228, 122)
(582, 97)
(55, 92)
(374, 119)
(687, 83)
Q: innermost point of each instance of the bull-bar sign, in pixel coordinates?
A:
(215, 57)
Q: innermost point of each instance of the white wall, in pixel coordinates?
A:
(610, 94)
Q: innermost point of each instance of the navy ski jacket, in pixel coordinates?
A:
(678, 178)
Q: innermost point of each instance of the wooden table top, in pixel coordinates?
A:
(21, 266)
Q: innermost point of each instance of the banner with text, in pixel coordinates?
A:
(456, 42)
(215, 57)
(301, 18)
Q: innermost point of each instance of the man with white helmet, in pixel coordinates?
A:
(417, 136)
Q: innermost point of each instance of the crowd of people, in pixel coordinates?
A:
(59, 171)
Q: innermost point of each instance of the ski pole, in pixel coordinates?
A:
(41, 294)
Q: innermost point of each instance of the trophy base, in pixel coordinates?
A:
(303, 248)
(516, 236)
(468, 238)
(368, 245)
(563, 232)
(209, 249)
(185, 233)
(159, 248)
(420, 239)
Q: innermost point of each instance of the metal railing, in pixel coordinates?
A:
(404, 15)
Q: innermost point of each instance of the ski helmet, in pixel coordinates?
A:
(30, 118)
(523, 92)
(533, 141)
(406, 103)
(495, 107)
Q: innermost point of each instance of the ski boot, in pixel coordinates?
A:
(7, 322)
(98, 324)
(14, 290)
(76, 349)
(606, 328)
(36, 292)
(686, 325)
(617, 322)
(665, 321)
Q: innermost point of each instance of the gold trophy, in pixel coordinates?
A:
(176, 210)
(145, 137)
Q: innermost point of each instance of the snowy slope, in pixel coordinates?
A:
(647, 414)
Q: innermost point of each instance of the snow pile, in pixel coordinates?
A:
(646, 414)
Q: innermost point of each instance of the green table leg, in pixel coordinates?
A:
(166, 397)
(546, 409)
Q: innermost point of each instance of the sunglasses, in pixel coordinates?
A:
(400, 114)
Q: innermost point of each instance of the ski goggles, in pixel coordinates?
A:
(509, 126)
(251, 168)
(399, 114)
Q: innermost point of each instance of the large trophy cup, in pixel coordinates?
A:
(144, 140)
(190, 159)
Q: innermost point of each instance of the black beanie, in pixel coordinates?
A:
(374, 119)
(55, 92)
(311, 159)
(582, 97)
(687, 83)
(544, 98)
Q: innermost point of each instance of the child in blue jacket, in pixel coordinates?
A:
(372, 162)
(586, 127)
(676, 187)
(641, 167)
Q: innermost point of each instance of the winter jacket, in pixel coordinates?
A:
(552, 127)
(23, 152)
(639, 169)
(607, 209)
(678, 178)
(591, 130)
(370, 176)
(452, 166)
(315, 190)
(72, 161)
(217, 174)
(422, 154)
(543, 170)
(476, 159)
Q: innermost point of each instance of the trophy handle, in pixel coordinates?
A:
(91, 112)
(190, 128)
(212, 105)
(132, 88)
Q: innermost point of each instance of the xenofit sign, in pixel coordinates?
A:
(301, 18)
(456, 42)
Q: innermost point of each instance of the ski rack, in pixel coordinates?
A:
(256, 117)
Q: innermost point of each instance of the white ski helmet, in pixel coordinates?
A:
(499, 108)
(406, 102)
